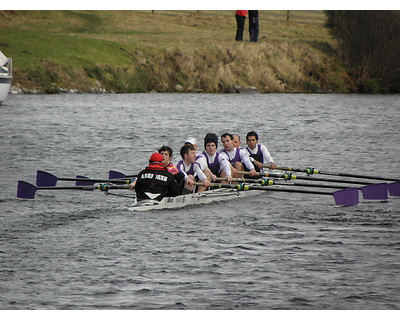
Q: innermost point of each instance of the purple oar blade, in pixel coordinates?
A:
(84, 183)
(375, 191)
(26, 190)
(45, 179)
(115, 175)
(394, 189)
(346, 197)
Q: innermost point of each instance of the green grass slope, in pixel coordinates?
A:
(168, 51)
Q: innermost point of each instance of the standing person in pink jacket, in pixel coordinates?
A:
(240, 19)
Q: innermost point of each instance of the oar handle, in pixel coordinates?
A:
(245, 187)
(241, 180)
(307, 170)
(86, 181)
(269, 182)
(106, 187)
(285, 176)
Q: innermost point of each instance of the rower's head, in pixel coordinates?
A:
(188, 153)
(227, 141)
(191, 141)
(211, 145)
(166, 152)
(156, 158)
(236, 141)
(252, 139)
(210, 137)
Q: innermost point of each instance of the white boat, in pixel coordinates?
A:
(181, 201)
(5, 76)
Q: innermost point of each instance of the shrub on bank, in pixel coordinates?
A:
(369, 45)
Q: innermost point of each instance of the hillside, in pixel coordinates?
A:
(168, 51)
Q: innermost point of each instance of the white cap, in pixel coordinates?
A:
(191, 140)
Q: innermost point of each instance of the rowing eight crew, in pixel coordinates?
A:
(163, 178)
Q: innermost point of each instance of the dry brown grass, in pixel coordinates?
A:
(271, 67)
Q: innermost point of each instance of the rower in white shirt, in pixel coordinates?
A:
(237, 157)
(199, 159)
(259, 153)
(217, 162)
(192, 169)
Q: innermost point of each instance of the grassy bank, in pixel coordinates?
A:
(168, 51)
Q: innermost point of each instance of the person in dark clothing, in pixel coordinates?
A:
(240, 19)
(253, 25)
(155, 182)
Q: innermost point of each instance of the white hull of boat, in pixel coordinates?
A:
(5, 85)
(181, 201)
(5, 76)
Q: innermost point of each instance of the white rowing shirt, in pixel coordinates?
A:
(266, 155)
(185, 168)
(244, 157)
(222, 159)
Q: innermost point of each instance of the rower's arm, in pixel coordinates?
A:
(267, 156)
(246, 160)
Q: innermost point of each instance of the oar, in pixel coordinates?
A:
(26, 190)
(338, 174)
(269, 182)
(118, 175)
(394, 189)
(370, 191)
(346, 197)
(290, 176)
(45, 179)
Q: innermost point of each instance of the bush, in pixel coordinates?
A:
(369, 44)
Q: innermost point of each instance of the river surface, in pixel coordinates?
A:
(85, 250)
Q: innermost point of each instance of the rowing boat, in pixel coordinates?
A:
(206, 197)
(344, 196)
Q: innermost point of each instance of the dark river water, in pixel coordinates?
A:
(84, 250)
